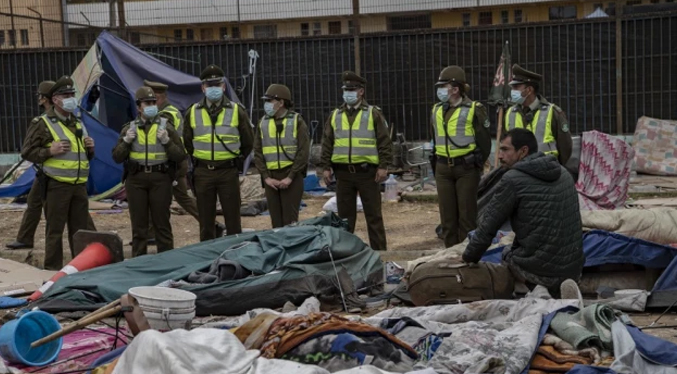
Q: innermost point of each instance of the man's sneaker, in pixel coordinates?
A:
(150, 241)
(18, 245)
(569, 291)
(219, 230)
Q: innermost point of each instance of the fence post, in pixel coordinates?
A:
(356, 34)
(121, 19)
(619, 68)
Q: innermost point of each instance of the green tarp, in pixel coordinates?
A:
(289, 264)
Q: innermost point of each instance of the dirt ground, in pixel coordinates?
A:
(409, 227)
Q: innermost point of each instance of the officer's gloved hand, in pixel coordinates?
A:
(130, 136)
(163, 136)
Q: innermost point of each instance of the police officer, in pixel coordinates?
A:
(281, 152)
(60, 148)
(150, 147)
(461, 144)
(218, 135)
(180, 187)
(356, 145)
(532, 111)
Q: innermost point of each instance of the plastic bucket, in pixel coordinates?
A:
(165, 308)
(17, 335)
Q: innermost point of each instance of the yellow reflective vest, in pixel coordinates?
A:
(354, 143)
(541, 126)
(71, 167)
(146, 148)
(217, 141)
(456, 137)
(279, 148)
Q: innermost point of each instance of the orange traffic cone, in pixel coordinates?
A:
(94, 255)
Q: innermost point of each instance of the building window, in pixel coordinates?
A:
(466, 19)
(562, 12)
(518, 15)
(206, 34)
(334, 27)
(317, 28)
(223, 33)
(634, 2)
(24, 37)
(486, 18)
(264, 31)
(654, 1)
(190, 34)
(2, 37)
(135, 38)
(178, 35)
(351, 27)
(505, 16)
(611, 9)
(236, 32)
(12, 38)
(422, 21)
(305, 29)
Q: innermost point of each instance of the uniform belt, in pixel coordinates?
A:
(355, 168)
(162, 168)
(452, 161)
(228, 164)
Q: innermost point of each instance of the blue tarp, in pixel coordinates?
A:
(125, 67)
(603, 248)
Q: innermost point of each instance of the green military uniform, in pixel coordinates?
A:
(462, 143)
(217, 134)
(149, 176)
(546, 120)
(355, 144)
(281, 150)
(63, 178)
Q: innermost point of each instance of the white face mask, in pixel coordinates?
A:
(516, 96)
(269, 108)
(350, 97)
(443, 94)
(69, 104)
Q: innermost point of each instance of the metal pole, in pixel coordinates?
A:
(64, 17)
(112, 23)
(356, 34)
(619, 68)
(42, 31)
(11, 11)
(122, 23)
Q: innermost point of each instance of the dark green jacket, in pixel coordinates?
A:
(539, 198)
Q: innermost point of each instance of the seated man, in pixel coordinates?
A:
(538, 196)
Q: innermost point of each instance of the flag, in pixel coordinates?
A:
(500, 90)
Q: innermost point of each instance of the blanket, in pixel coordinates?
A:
(655, 143)
(590, 327)
(658, 225)
(604, 171)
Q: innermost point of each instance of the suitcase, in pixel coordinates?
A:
(452, 282)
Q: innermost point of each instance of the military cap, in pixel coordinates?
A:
(212, 73)
(44, 87)
(156, 86)
(522, 76)
(145, 93)
(63, 85)
(451, 74)
(352, 80)
(277, 91)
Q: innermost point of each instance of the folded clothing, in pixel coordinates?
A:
(590, 327)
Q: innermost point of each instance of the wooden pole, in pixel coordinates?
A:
(499, 132)
(356, 34)
(619, 68)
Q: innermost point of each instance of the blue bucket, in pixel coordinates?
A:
(17, 335)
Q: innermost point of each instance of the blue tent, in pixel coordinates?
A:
(116, 69)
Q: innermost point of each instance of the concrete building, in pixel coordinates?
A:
(21, 27)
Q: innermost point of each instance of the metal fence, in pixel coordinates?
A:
(577, 60)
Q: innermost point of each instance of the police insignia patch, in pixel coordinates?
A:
(565, 128)
(487, 124)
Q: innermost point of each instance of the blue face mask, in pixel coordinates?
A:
(69, 104)
(350, 97)
(150, 111)
(269, 108)
(516, 96)
(214, 93)
(443, 94)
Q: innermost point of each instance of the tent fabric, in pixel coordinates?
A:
(289, 264)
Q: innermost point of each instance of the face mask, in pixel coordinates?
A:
(69, 104)
(214, 93)
(269, 108)
(443, 94)
(516, 97)
(350, 97)
(150, 111)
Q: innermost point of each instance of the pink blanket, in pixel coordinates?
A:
(604, 171)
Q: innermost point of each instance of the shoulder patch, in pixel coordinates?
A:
(558, 109)
(478, 104)
(377, 108)
(565, 127)
(487, 124)
(35, 119)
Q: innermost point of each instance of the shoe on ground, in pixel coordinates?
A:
(569, 291)
(150, 241)
(220, 229)
(18, 245)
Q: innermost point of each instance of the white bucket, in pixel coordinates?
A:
(166, 308)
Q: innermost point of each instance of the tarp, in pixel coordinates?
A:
(289, 264)
(116, 69)
(603, 248)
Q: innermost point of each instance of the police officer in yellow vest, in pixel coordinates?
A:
(60, 147)
(149, 145)
(281, 152)
(461, 142)
(532, 111)
(218, 135)
(180, 190)
(356, 145)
